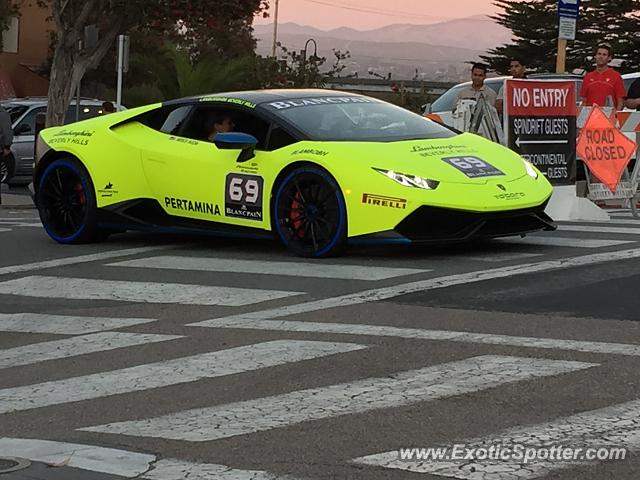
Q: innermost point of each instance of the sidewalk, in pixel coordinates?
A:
(12, 200)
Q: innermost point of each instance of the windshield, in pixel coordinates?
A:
(356, 119)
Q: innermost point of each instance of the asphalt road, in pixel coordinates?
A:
(178, 357)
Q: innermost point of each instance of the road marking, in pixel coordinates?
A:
(404, 388)
(145, 292)
(420, 334)
(293, 268)
(612, 221)
(63, 324)
(169, 372)
(5, 230)
(123, 463)
(71, 347)
(377, 294)
(615, 426)
(60, 262)
(598, 229)
(565, 242)
(500, 257)
(170, 469)
(88, 457)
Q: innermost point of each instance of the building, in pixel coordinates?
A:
(25, 49)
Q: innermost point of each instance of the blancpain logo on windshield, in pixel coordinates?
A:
(306, 102)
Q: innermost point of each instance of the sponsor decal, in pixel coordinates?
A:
(251, 168)
(473, 167)
(72, 137)
(383, 201)
(107, 191)
(310, 151)
(192, 206)
(441, 150)
(243, 196)
(235, 101)
(510, 196)
(309, 102)
(188, 141)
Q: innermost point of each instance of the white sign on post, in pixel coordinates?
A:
(122, 65)
(567, 29)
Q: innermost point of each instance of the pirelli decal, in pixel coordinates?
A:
(382, 201)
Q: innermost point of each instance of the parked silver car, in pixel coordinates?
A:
(23, 113)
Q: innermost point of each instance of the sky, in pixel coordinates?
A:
(369, 14)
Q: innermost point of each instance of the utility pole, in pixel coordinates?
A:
(275, 30)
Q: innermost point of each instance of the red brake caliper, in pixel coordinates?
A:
(82, 199)
(294, 215)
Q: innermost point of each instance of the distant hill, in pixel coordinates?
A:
(478, 33)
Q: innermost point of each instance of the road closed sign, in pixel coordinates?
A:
(605, 149)
(540, 122)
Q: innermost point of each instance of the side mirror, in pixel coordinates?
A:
(426, 108)
(237, 141)
(22, 129)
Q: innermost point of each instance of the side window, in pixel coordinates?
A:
(168, 119)
(202, 124)
(447, 101)
(28, 124)
(278, 138)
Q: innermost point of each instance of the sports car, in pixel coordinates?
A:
(317, 169)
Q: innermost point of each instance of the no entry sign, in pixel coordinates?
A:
(541, 125)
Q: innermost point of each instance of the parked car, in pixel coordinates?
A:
(23, 113)
(441, 110)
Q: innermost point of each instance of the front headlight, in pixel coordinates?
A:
(531, 170)
(409, 180)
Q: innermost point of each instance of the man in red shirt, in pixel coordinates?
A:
(604, 86)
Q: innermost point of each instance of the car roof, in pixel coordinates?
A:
(532, 76)
(631, 75)
(263, 96)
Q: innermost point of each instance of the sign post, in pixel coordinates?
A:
(567, 21)
(122, 65)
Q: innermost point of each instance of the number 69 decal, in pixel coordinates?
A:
(243, 196)
(473, 167)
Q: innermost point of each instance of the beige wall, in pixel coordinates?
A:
(33, 48)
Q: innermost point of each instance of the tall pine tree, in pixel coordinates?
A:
(534, 24)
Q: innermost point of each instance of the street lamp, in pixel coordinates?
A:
(304, 51)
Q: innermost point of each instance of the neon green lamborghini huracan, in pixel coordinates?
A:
(318, 169)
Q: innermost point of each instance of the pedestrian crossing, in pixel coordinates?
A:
(292, 343)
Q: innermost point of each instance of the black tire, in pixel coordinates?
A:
(7, 167)
(66, 203)
(309, 213)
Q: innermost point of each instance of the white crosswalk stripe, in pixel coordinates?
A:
(169, 372)
(615, 426)
(123, 463)
(71, 347)
(293, 268)
(5, 230)
(599, 229)
(405, 388)
(62, 324)
(146, 292)
(566, 242)
(423, 334)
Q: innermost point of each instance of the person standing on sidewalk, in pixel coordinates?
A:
(7, 162)
(603, 86)
(518, 70)
(478, 89)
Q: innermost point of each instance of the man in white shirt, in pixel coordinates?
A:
(478, 89)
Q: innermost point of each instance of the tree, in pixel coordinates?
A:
(179, 18)
(534, 24)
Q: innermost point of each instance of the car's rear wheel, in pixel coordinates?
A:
(66, 203)
(309, 214)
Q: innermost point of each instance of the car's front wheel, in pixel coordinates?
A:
(66, 203)
(309, 213)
